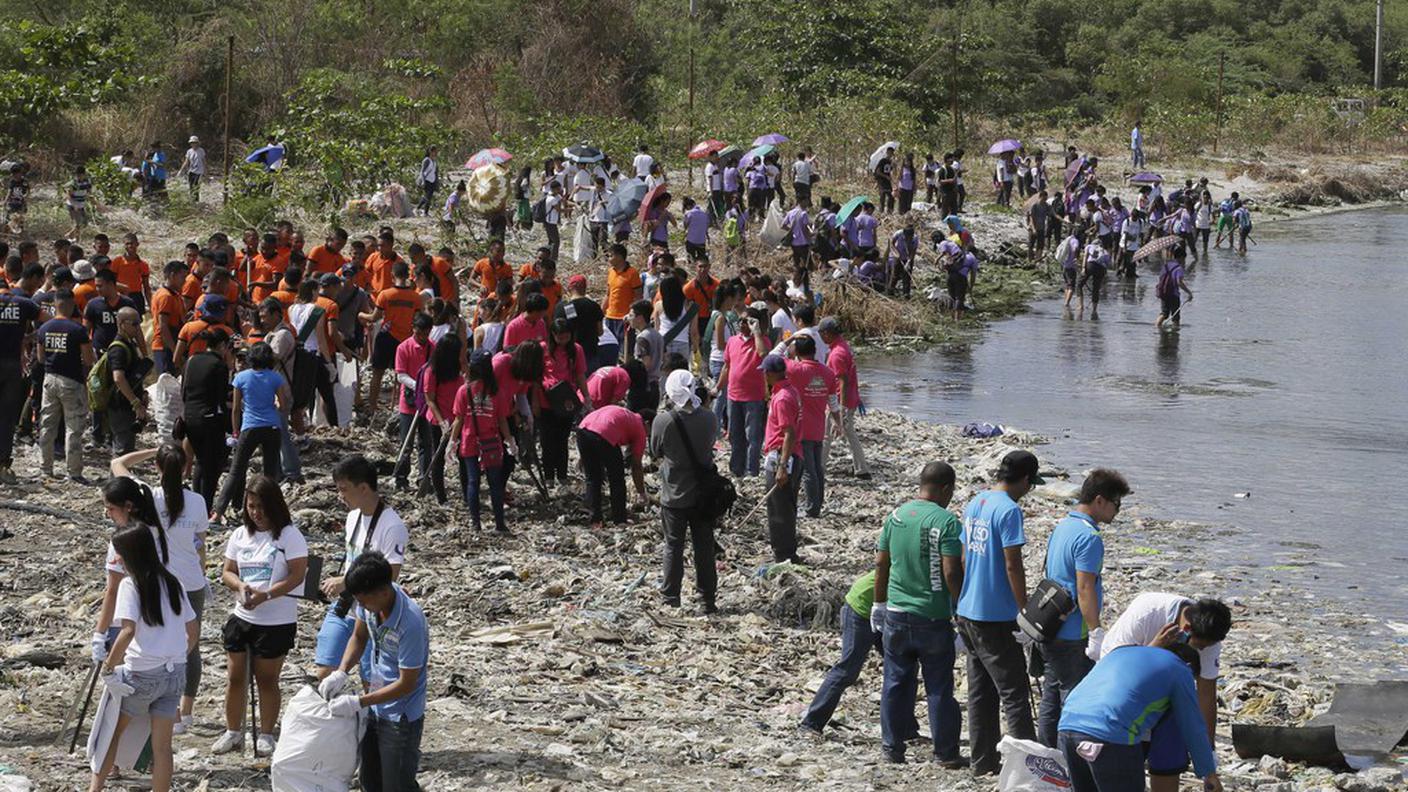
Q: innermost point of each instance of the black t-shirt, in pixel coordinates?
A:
(17, 315)
(206, 386)
(63, 341)
(103, 319)
(584, 315)
(884, 168)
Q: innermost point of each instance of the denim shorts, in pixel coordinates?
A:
(156, 692)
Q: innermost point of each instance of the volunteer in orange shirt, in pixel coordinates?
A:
(222, 284)
(443, 264)
(701, 289)
(287, 293)
(544, 271)
(327, 257)
(188, 342)
(398, 305)
(132, 273)
(194, 285)
(83, 272)
(168, 315)
(492, 269)
(261, 275)
(380, 262)
(623, 287)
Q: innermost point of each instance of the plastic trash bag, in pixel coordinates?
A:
(772, 233)
(316, 752)
(344, 391)
(583, 248)
(164, 395)
(130, 746)
(1029, 766)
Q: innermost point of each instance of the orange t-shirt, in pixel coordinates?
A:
(280, 261)
(399, 304)
(193, 328)
(380, 268)
(261, 270)
(168, 309)
(325, 260)
(82, 293)
(703, 297)
(193, 288)
(622, 289)
(490, 275)
(552, 291)
(332, 311)
(445, 274)
(229, 304)
(285, 296)
(131, 274)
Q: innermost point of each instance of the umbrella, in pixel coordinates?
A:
(488, 156)
(658, 194)
(879, 153)
(1145, 177)
(1156, 245)
(850, 208)
(1073, 171)
(1032, 201)
(583, 154)
(756, 154)
(488, 189)
(1004, 146)
(706, 148)
(626, 199)
(730, 153)
(772, 139)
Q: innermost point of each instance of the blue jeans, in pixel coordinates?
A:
(748, 420)
(498, 481)
(913, 643)
(1118, 768)
(391, 755)
(857, 641)
(721, 403)
(1066, 666)
(815, 476)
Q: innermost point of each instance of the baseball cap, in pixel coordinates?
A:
(330, 279)
(83, 270)
(348, 270)
(577, 282)
(214, 307)
(829, 324)
(1020, 463)
(63, 274)
(773, 364)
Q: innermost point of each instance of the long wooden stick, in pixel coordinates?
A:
(83, 711)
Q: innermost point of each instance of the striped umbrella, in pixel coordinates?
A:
(1156, 245)
(488, 156)
(706, 148)
(488, 189)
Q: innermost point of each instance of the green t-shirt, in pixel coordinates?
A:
(862, 594)
(917, 535)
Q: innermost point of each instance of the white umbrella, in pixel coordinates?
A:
(880, 153)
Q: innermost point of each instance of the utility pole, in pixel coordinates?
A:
(690, 125)
(229, 69)
(953, 89)
(1221, 65)
(1378, 43)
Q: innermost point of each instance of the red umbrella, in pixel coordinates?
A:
(706, 148)
(488, 156)
(658, 194)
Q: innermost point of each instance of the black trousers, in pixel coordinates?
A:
(323, 385)
(13, 388)
(886, 195)
(997, 679)
(425, 439)
(554, 239)
(268, 440)
(602, 465)
(678, 521)
(555, 431)
(207, 438)
(122, 423)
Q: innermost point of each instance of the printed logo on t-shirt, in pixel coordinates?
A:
(977, 535)
(56, 343)
(257, 564)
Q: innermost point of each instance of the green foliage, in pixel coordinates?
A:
(110, 184)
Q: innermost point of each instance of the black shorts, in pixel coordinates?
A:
(957, 288)
(1095, 276)
(1069, 274)
(267, 643)
(801, 254)
(695, 252)
(1168, 304)
(384, 350)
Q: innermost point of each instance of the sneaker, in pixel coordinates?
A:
(183, 725)
(709, 608)
(229, 741)
(81, 479)
(7, 476)
(956, 763)
(807, 732)
(264, 746)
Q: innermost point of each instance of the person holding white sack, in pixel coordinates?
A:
(146, 668)
(395, 628)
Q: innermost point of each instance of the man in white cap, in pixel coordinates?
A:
(194, 167)
(678, 437)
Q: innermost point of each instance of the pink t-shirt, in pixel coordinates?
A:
(520, 329)
(485, 421)
(557, 369)
(608, 385)
(785, 410)
(442, 392)
(814, 383)
(410, 356)
(508, 385)
(618, 426)
(842, 361)
(745, 381)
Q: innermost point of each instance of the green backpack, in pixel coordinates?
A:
(100, 383)
(731, 236)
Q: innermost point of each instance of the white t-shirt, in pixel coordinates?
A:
(801, 172)
(153, 646)
(1204, 215)
(551, 213)
(1145, 617)
(781, 321)
(183, 540)
(298, 313)
(582, 185)
(263, 563)
(642, 164)
(390, 537)
(714, 175)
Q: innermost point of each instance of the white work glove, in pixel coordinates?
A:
(345, 706)
(117, 684)
(1094, 642)
(877, 618)
(1023, 639)
(99, 645)
(332, 685)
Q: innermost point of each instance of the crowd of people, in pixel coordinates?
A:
(510, 370)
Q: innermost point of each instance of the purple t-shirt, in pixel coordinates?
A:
(797, 220)
(730, 179)
(969, 265)
(696, 226)
(758, 179)
(661, 231)
(865, 230)
(906, 178)
(902, 247)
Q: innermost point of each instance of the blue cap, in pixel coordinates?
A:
(773, 364)
(214, 307)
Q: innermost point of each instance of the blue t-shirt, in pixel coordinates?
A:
(63, 341)
(402, 642)
(1129, 691)
(991, 523)
(1076, 546)
(257, 388)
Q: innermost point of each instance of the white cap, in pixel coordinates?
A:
(679, 389)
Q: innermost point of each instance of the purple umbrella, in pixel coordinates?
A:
(772, 139)
(1004, 146)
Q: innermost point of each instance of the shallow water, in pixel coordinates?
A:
(1288, 381)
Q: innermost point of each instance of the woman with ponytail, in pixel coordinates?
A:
(146, 668)
(183, 519)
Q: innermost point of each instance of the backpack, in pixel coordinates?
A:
(731, 236)
(1245, 220)
(540, 211)
(100, 382)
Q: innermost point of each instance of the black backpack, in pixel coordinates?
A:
(540, 211)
